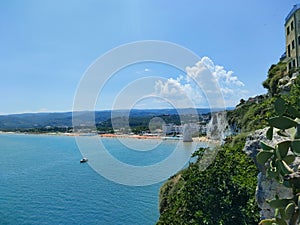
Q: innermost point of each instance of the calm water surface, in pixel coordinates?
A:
(42, 182)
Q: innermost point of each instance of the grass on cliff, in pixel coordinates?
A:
(252, 115)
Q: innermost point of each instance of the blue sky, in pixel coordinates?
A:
(46, 46)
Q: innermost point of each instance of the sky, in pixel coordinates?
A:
(46, 48)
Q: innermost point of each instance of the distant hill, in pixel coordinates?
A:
(64, 119)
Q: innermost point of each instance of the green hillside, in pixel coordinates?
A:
(224, 193)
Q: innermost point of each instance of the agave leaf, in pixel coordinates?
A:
(280, 106)
(282, 122)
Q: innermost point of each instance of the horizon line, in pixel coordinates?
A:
(99, 110)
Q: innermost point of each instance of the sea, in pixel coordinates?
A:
(43, 182)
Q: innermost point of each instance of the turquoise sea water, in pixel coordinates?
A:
(42, 182)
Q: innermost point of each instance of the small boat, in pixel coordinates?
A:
(83, 160)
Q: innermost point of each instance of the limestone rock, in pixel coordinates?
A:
(286, 82)
(266, 188)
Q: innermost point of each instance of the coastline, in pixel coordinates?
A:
(134, 136)
(130, 136)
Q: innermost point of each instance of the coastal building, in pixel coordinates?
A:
(168, 128)
(171, 128)
(292, 39)
(178, 129)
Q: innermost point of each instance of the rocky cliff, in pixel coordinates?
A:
(234, 188)
(266, 188)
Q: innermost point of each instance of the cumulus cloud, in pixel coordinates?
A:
(205, 84)
(226, 76)
(172, 87)
(175, 91)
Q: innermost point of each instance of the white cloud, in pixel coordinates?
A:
(227, 91)
(205, 84)
(172, 88)
(175, 92)
(226, 76)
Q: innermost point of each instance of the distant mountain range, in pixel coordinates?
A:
(64, 119)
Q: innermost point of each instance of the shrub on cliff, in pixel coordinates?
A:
(275, 73)
(221, 194)
(251, 115)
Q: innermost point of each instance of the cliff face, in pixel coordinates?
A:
(266, 188)
(226, 189)
(230, 190)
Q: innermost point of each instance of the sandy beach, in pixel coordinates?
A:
(135, 136)
(131, 136)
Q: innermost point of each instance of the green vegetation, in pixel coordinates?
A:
(277, 160)
(254, 114)
(251, 115)
(221, 194)
(275, 73)
(224, 192)
(41, 130)
(138, 124)
(52, 123)
(294, 96)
